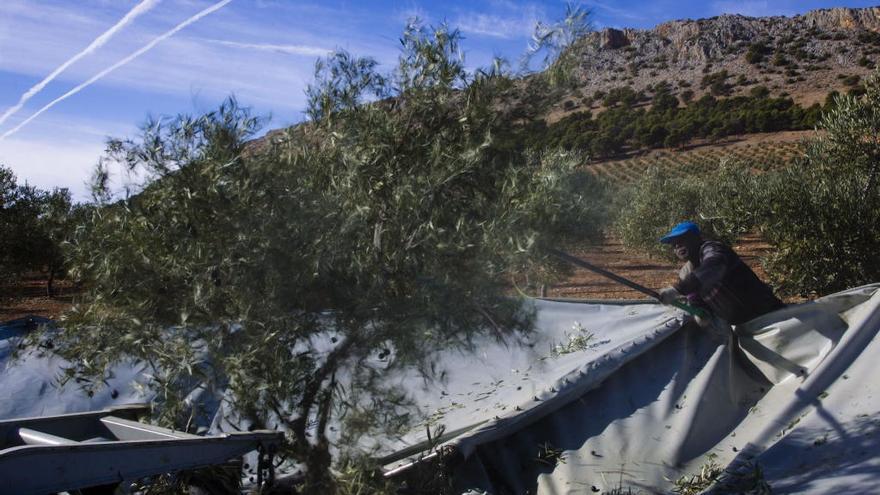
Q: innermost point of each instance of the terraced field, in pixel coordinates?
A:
(762, 156)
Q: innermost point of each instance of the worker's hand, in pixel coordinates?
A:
(669, 295)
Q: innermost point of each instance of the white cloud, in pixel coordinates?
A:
(124, 61)
(616, 12)
(305, 50)
(97, 43)
(52, 163)
(271, 73)
(47, 13)
(61, 151)
(405, 15)
(505, 20)
(496, 26)
(183, 66)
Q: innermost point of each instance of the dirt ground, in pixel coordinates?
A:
(652, 273)
(29, 296)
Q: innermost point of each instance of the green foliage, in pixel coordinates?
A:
(698, 482)
(549, 455)
(728, 199)
(556, 41)
(223, 479)
(866, 37)
(623, 95)
(819, 213)
(389, 228)
(759, 92)
(722, 205)
(34, 224)
(779, 60)
(623, 127)
(835, 188)
(650, 206)
(756, 52)
(580, 339)
(19, 210)
(362, 478)
(717, 83)
(687, 95)
(852, 80)
(700, 161)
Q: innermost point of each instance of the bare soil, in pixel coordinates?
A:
(649, 272)
(28, 297)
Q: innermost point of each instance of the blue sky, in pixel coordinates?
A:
(263, 51)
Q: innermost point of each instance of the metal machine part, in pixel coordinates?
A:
(104, 448)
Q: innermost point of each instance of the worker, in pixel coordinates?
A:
(715, 277)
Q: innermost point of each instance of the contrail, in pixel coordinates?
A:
(288, 49)
(139, 9)
(141, 51)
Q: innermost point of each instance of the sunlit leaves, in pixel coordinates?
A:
(554, 42)
(390, 220)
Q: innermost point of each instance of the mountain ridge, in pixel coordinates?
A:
(802, 55)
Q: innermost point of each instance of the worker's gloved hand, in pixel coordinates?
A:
(703, 322)
(669, 295)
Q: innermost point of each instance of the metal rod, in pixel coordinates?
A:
(605, 273)
(629, 283)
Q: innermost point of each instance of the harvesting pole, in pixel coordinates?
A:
(629, 283)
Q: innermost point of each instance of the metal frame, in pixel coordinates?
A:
(76, 451)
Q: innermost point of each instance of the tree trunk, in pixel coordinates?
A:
(50, 284)
(318, 477)
(317, 457)
(319, 481)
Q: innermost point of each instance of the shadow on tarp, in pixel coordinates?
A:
(777, 456)
(821, 460)
(22, 326)
(640, 412)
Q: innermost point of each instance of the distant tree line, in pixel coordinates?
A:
(625, 126)
(33, 226)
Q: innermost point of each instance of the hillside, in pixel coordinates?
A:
(695, 83)
(690, 83)
(804, 56)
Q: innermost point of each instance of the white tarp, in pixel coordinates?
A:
(803, 413)
(623, 394)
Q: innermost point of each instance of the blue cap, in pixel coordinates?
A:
(679, 230)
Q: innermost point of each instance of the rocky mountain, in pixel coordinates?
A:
(804, 56)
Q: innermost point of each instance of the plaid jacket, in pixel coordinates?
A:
(726, 285)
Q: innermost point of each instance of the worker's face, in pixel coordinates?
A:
(685, 246)
(680, 248)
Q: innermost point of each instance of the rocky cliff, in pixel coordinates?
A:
(804, 56)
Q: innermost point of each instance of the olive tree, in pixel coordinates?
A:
(821, 214)
(34, 224)
(388, 226)
(723, 204)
